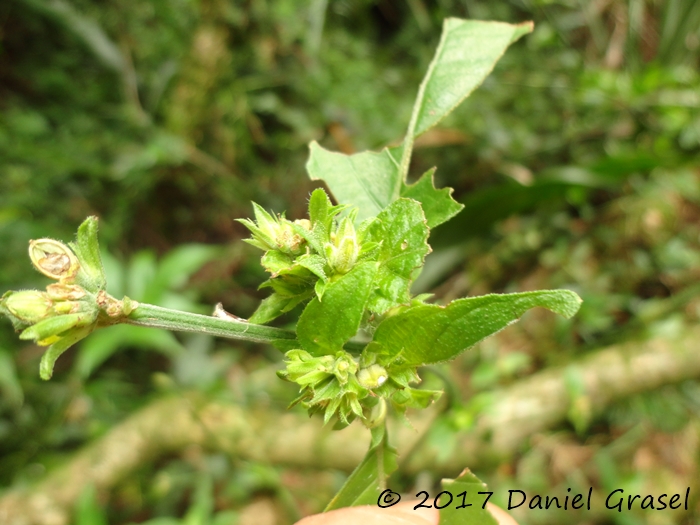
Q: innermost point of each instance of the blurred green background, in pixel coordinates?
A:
(577, 160)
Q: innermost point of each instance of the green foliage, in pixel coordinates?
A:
(415, 334)
(71, 308)
(576, 163)
(424, 334)
(437, 205)
(327, 324)
(397, 230)
(351, 277)
(466, 54)
(401, 232)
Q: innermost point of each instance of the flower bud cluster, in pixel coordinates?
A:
(329, 384)
(47, 316)
(69, 309)
(350, 388)
(305, 255)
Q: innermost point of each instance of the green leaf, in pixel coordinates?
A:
(368, 180)
(86, 247)
(275, 305)
(403, 232)
(325, 326)
(54, 326)
(314, 263)
(321, 211)
(467, 53)
(473, 515)
(48, 360)
(427, 334)
(438, 205)
(367, 480)
(275, 261)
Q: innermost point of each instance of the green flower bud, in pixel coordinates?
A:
(304, 369)
(274, 233)
(264, 229)
(343, 367)
(29, 306)
(372, 377)
(54, 259)
(343, 250)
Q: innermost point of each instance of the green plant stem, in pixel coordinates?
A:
(157, 317)
(177, 321)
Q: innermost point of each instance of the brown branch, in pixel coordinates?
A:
(528, 407)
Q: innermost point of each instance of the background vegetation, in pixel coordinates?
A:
(577, 161)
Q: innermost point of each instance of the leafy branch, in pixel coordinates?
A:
(349, 266)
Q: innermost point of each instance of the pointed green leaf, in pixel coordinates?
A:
(314, 263)
(430, 334)
(368, 180)
(321, 213)
(467, 53)
(319, 288)
(321, 210)
(274, 306)
(468, 515)
(275, 261)
(325, 326)
(86, 247)
(365, 483)
(48, 360)
(403, 232)
(53, 326)
(438, 205)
